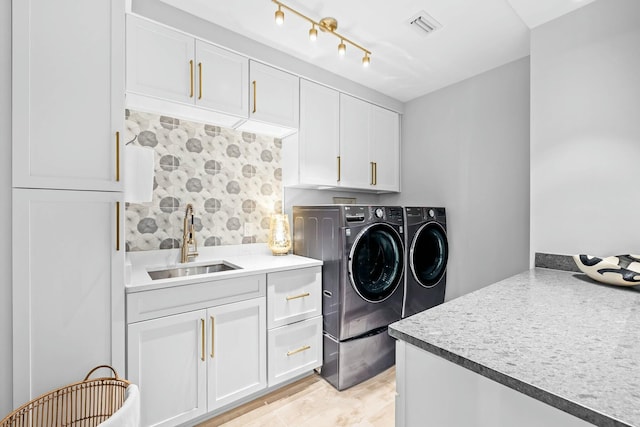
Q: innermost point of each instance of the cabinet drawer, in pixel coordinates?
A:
(163, 302)
(293, 296)
(294, 349)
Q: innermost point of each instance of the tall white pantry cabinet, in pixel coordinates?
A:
(68, 247)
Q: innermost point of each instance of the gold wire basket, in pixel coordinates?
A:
(83, 404)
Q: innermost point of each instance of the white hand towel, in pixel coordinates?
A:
(139, 170)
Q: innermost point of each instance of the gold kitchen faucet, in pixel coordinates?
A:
(189, 245)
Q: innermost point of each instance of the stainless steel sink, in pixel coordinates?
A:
(192, 270)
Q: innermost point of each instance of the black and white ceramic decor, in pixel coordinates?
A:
(620, 270)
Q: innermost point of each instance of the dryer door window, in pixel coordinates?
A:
(375, 262)
(428, 254)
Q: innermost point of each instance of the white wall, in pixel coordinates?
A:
(6, 366)
(585, 131)
(466, 147)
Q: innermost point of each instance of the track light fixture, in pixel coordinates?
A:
(327, 25)
(313, 33)
(279, 16)
(342, 48)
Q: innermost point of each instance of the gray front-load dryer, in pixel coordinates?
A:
(427, 254)
(362, 248)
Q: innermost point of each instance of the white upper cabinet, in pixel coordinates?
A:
(160, 61)
(68, 93)
(173, 73)
(274, 96)
(355, 129)
(384, 148)
(369, 146)
(319, 134)
(222, 79)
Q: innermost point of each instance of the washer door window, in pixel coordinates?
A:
(375, 264)
(428, 254)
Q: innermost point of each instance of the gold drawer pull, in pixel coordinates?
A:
(306, 294)
(338, 168)
(298, 350)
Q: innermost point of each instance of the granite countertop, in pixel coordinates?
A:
(251, 258)
(556, 336)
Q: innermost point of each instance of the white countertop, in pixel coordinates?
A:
(252, 259)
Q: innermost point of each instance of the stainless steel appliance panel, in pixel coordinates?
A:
(347, 363)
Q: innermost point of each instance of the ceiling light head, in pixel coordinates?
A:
(313, 33)
(366, 60)
(279, 16)
(342, 48)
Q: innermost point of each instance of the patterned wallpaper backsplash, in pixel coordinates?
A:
(233, 179)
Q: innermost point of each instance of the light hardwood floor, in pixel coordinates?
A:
(313, 402)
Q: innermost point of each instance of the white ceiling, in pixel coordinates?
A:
(476, 36)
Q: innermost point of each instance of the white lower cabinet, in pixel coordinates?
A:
(68, 299)
(429, 387)
(237, 351)
(203, 347)
(165, 360)
(192, 363)
(294, 300)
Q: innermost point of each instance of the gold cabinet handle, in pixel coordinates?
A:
(213, 335)
(117, 226)
(191, 77)
(298, 350)
(306, 294)
(255, 95)
(372, 172)
(202, 337)
(117, 156)
(199, 80)
(375, 173)
(338, 168)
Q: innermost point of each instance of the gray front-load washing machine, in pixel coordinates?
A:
(362, 248)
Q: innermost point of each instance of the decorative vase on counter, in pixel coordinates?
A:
(279, 236)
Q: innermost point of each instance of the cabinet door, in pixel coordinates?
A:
(68, 290)
(356, 170)
(274, 95)
(166, 361)
(319, 134)
(384, 148)
(68, 98)
(222, 80)
(160, 61)
(237, 357)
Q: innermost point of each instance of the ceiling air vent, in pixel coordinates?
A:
(424, 23)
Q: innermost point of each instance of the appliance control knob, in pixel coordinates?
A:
(379, 213)
(432, 214)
